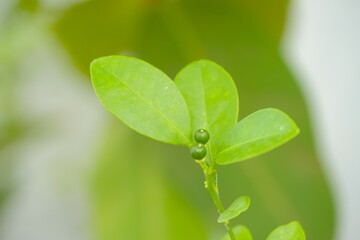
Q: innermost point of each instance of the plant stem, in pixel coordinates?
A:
(212, 187)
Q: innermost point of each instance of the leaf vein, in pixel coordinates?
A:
(246, 142)
(149, 103)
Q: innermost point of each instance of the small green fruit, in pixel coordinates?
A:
(202, 136)
(198, 151)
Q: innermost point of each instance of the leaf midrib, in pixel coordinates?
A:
(206, 111)
(148, 102)
(246, 142)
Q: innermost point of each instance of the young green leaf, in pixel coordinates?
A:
(241, 204)
(241, 233)
(143, 97)
(211, 97)
(291, 231)
(258, 133)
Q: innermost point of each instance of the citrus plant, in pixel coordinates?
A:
(199, 110)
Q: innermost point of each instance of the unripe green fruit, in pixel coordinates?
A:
(202, 136)
(198, 151)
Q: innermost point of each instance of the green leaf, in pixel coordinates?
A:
(211, 97)
(244, 37)
(258, 133)
(291, 231)
(241, 204)
(143, 97)
(241, 233)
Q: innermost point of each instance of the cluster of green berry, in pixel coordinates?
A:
(198, 150)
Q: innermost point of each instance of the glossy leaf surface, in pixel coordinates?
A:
(211, 97)
(143, 97)
(240, 205)
(258, 133)
(291, 231)
(241, 233)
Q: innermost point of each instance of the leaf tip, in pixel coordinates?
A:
(94, 64)
(292, 230)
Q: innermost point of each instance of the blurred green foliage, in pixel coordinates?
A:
(148, 190)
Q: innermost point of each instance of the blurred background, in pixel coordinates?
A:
(70, 170)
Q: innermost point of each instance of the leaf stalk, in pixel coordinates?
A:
(211, 186)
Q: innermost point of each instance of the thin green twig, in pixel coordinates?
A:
(212, 187)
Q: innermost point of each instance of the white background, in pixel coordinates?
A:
(322, 45)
